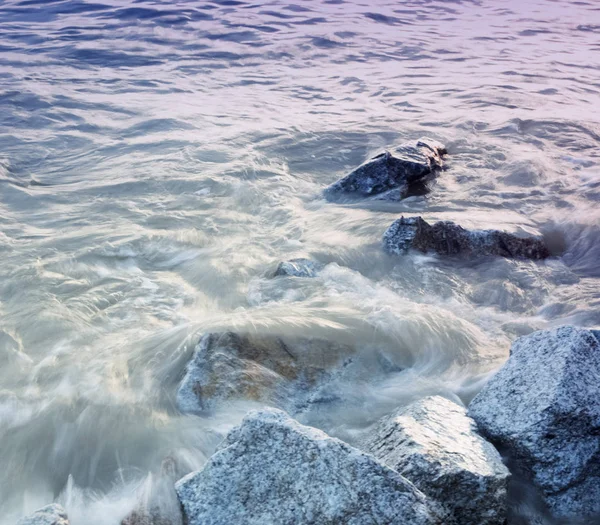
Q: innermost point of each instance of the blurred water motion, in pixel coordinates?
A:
(158, 159)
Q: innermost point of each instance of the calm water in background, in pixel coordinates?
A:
(157, 159)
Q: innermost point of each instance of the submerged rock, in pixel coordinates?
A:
(272, 469)
(158, 503)
(285, 373)
(396, 170)
(543, 408)
(52, 514)
(448, 238)
(434, 444)
(298, 268)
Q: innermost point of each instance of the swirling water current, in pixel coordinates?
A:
(158, 159)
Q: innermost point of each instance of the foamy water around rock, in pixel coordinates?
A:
(158, 160)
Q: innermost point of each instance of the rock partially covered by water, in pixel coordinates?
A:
(272, 469)
(448, 238)
(543, 408)
(282, 372)
(435, 444)
(394, 170)
(52, 514)
(298, 268)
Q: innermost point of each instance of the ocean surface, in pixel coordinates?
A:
(158, 159)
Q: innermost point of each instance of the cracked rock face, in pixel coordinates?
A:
(543, 408)
(448, 238)
(286, 373)
(272, 469)
(52, 514)
(298, 268)
(395, 170)
(435, 444)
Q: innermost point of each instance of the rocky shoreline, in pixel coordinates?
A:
(431, 462)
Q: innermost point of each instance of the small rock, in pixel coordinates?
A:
(396, 170)
(542, 408)
(298, 268)
(158, 503)
(448, 238)
(52, 514)
(272, 469)
(279, 372)
(434, 444)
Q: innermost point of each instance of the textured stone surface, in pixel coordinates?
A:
(448, 238)
(271, 469)
(435, 444)
(52, 514)
(397, 169)
(543, 408)
(285, 373)
(298, 268)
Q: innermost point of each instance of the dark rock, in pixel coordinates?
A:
(272, 469)
(286, 373)
(542, 407)
(298, 268)
(397, 170)
(433, 443)
(52, 514)
(448, 238)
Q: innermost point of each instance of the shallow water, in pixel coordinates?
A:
(157, 159)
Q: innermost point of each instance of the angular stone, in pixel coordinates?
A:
(285, 373)
(52, 514)
(297, 268)
(399, 169)
(542, 408)
(272, 469)
(448, 238)
(433, 443)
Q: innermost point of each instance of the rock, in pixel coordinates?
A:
(396, 170)
(52, 514)
(268, 369)
(158, 503)
(298, 268)
(272, 469)
(435, 444)
(144, 517)
(448, 238)
(542, 408)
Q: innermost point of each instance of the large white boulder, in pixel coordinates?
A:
(272, 469)
(435, 444)
(543, 408)
(52, 514)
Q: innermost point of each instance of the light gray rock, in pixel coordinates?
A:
(271, 469)
(52, 514)
(543, 408)
(298, 268)
(282, 372)
(448, 238)
(398, 169)
(435, 444)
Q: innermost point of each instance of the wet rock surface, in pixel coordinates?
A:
(52, 514)
(542, 408)
(282, 372)
(434, 444)
(448, 238)
(392, 171)
(298, 268)
(271, 469)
